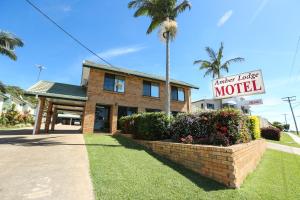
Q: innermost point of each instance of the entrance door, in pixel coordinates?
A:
(102, 119)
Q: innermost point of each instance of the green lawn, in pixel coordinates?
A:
(121, 169)
(286, 140)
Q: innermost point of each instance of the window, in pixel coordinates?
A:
(114, 83)
(152, 110)
(175, 113)
(177, 94)
(125, 111)
(150, 89)
(210, 106)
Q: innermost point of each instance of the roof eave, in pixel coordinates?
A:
(97, 66)
(49, 95)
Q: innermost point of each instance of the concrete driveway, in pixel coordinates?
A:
(53, 166)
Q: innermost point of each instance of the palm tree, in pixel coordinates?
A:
(214, 66)
(8, 42)
(163, 14)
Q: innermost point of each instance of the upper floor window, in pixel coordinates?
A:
(114, 83)
(150, 89)
(177, 94)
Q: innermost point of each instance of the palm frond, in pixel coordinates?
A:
(182, 7)
(220, 52)
(9, 40)
(136, 3)
(201, 62)
(211, 53)
(141, 11)
(208, 72)
(154, 24)
(233, 60)
(10, 53)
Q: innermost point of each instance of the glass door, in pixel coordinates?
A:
(102, 119)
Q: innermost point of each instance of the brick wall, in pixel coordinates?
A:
(226, 165)
(132, 97)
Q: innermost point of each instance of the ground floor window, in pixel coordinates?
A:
(210, 106)
(152, 110)
(125, 111)
(175, 113)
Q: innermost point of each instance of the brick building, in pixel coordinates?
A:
(106, 94)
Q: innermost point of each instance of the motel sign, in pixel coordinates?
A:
(244, 84)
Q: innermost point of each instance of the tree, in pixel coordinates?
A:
(8, 43)
(2, 87)
(163, 14)
(278, 125)
(214, 65)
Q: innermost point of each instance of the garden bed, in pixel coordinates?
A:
(227, 165)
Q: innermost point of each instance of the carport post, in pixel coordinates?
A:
(48, 117)
(39, 115)
(54, 117)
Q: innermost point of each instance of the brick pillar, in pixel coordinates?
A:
(82, 119)
(189, 106)
(48, 117)
(89, 117)
(113, 119)
(54, 117)
(39, 116)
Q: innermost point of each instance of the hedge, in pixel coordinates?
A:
(271, 133)
(254, 127)
(147, 126)
(224, 127)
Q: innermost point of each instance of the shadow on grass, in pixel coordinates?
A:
(202, 182)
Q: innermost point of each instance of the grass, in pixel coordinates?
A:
(121, 169)
(285, 139)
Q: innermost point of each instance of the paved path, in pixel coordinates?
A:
(295, 137)
(284, 148)
(42, 167)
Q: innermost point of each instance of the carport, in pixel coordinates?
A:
(54, 97)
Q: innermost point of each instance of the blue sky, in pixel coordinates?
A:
(264, 32)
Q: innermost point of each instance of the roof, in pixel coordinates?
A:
(58, 90)
(135, 73)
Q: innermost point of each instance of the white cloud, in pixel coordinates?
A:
(225, 18)
(116, 52)
(65, 8)
(261, 7)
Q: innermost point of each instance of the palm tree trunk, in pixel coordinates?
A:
(168, 99)
(221, 102)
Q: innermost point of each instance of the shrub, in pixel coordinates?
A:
(127, 124)
(197, 127)
(254, 127)
(271, 133)
(152, 126)
(278, 125)
(224, 127)
(231, 128)
(147, 126)
(286, 127)
(12, 117)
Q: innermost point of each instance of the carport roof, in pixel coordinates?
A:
(58, 90)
